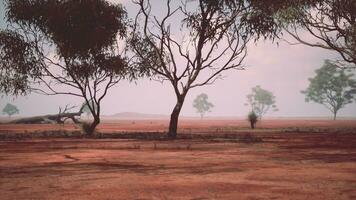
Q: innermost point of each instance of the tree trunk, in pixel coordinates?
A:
(173, 124)
(335, 112)
(252, 125)
(91, 129)
(48, 118)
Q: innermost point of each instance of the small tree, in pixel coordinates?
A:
(332, 87)
(10, 109)
(261, 101)
(252, 118)
(202, 105)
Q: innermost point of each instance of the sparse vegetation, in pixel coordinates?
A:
(83, 48)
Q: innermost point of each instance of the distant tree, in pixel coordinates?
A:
(261, 101)
(10, 109)
(252, 118)
(64, 47)
(332, 87)
(202, 105)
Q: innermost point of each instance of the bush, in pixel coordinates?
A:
(252, 118)
(86, 128)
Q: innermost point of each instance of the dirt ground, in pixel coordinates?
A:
(109, 126)
(285, 165)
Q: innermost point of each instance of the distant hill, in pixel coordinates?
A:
(135, 115)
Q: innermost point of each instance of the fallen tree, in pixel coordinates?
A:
(59, 118)
(49, 119)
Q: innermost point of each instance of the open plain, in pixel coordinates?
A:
(211, 159)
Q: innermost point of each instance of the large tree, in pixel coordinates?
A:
(327, 24)
(65, 47)
(213, 39)
(332, 87)
(261, 101)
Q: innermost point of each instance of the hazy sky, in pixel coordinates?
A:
(282, 69)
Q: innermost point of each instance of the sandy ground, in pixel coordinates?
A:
(284, 166)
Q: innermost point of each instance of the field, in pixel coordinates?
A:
(212, 159)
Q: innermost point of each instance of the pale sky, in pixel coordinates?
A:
(282, 69)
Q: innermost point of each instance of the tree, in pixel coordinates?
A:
(330, 24)
(332, 87)
(202, 105)
(85, 108)
(261, 101)
(213, 40)
(66, 47)
(10, 109)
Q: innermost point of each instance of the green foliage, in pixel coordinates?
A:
(332, 23)
(82, 36)
(332, 87)
(261, 101)
(259, 18)
(53, 43)
(74, 26)
(18, 63)
(202, 105)
(10, 110)
(252, 118)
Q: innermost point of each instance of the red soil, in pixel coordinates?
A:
(185, 125)
(317, 166)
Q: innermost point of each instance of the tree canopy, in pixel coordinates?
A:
(329, 24)
(332, 87)
(10, 109)
(65, 47)
(202, 105)
(261, 101)
(213, 40)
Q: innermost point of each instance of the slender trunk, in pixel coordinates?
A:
(173, 124)
(252, 125)
(335, 112)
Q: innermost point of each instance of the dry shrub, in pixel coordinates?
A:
(86, 128)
